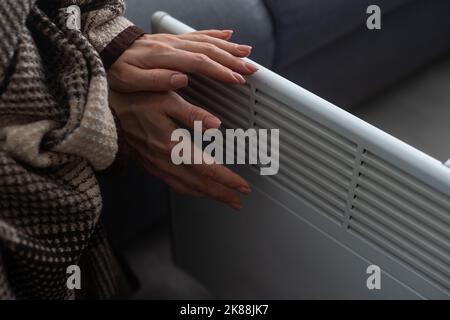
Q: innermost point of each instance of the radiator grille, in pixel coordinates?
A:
(230, 103)
(315, 163)
(391, 209)
(404, 217)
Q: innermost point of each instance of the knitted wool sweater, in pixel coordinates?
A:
(56, 129)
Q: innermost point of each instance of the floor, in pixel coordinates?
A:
(416, 111)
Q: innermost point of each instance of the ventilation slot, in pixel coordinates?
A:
(393, 210)
(403, 216)
(316, 164)
(230, 103)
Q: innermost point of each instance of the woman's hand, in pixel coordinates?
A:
(148, 120)
(160, 62)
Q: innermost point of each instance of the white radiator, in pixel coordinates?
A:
(347, 196)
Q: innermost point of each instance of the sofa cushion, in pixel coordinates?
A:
(302, 26)
(249, 19)
(365, 62)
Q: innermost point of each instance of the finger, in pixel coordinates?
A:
(186, 114)
(180, 187)
(192, 180)
(208, 187)
(218, 173)
(170, 179)
(156, 79)
(237, 50)
(220, 34)
(223, 176)
(220, 193)
(219, 55)
(167, 57)
(194, 183)
(200, 63)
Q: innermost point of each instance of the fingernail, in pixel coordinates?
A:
(251, 67)
(244, 49)
(212, 122)
(228, 34)
(245, 190)
(239, 78)
(178, 81)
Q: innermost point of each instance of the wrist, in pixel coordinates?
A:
(119, 45)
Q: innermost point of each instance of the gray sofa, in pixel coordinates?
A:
(322, 45)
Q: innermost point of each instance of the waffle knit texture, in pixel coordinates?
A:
(56, 130)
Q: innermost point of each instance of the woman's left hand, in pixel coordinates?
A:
(161, 62)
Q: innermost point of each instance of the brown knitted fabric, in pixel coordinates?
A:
(122, 42)
(55, 130)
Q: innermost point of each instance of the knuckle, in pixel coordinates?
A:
(201, 58)
(146, 37)
(201, 37)
(166, 37)
(209, 47)
(152, 80)
(209, 172)
(193, 114)
(157, 78)
(156, 46)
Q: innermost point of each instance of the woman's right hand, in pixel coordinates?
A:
(148, 120)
